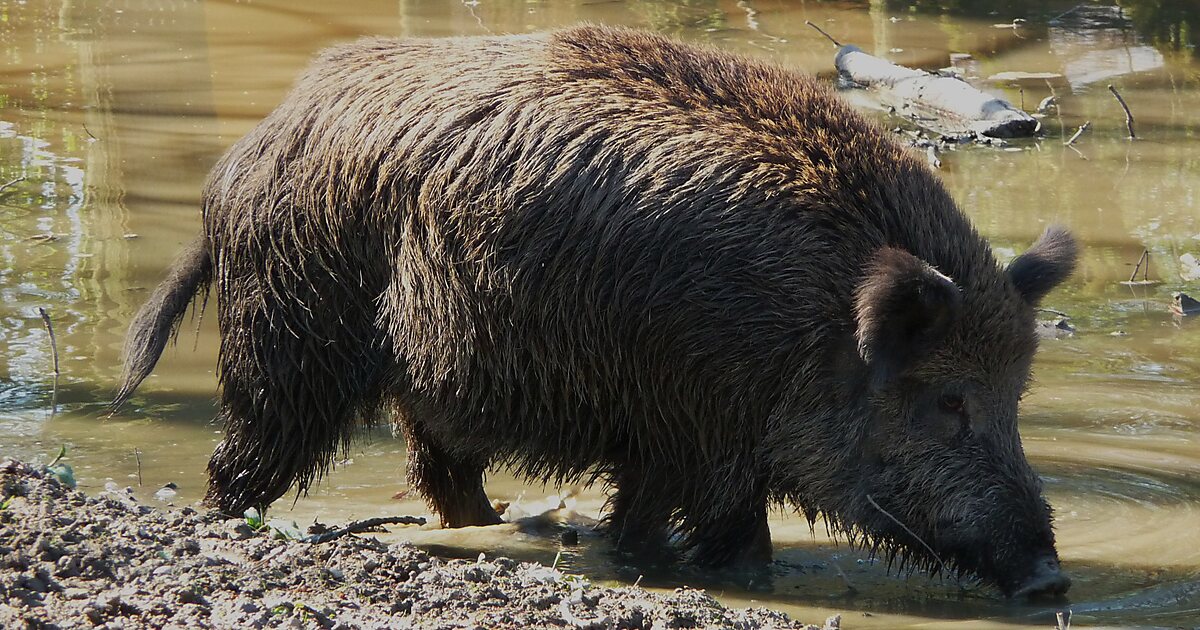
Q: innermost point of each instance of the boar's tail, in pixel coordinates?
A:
(158, 320)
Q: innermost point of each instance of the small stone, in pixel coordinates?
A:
(1184, 304)
(67, 566)
(189, 596)
(1058, 328)
(240, 531)
(36, 585)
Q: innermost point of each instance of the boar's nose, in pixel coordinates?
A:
(1047, 580)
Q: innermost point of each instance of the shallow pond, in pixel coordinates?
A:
(113, 111)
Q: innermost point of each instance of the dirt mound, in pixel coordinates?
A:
(70, 560)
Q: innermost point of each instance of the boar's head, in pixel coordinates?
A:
(942, 479)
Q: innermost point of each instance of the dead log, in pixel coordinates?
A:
(945, 104)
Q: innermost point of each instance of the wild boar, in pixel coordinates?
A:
(599, 253)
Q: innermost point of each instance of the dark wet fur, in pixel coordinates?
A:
(157, 322)
(600, 253)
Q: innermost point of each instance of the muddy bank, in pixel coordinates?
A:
(70, 560)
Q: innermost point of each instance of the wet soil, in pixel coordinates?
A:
(68, 560)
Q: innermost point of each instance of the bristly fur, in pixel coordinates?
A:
(599, 252)
(157, 322)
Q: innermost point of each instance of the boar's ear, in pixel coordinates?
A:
(903, 307)
(1045, 265)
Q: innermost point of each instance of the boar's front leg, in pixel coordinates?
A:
(640, 509)
(721, 528)
(730, 530)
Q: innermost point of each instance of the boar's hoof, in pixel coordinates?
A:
(1047, 580)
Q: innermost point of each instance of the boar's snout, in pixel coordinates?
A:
(1046, 580)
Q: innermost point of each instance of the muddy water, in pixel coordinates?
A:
(112, 112)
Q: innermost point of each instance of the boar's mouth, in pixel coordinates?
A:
(1038, 577)
(1046, 581)
(1018, 575)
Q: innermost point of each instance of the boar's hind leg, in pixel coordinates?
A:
(288, 399)
(453, 486)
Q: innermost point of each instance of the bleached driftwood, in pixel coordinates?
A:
(947, 104)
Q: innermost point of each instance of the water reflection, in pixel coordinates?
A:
(113, 111)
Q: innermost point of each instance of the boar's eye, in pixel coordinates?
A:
(951, 403)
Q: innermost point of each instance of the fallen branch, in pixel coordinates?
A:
(362, 526)
(946, 104)
(1128, 114)
(1079, 132)
(54, 351)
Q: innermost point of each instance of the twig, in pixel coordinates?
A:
(1064, 621)
(910, 532)
(1065, 13)
(1082, 128)
(1145, 257)
(4, 187)
(137, 454)
(1021, 91)
(1053, 312)
(1128, 114)
(827, 35)
(54, 350)
(363, 525)
(89, 132)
